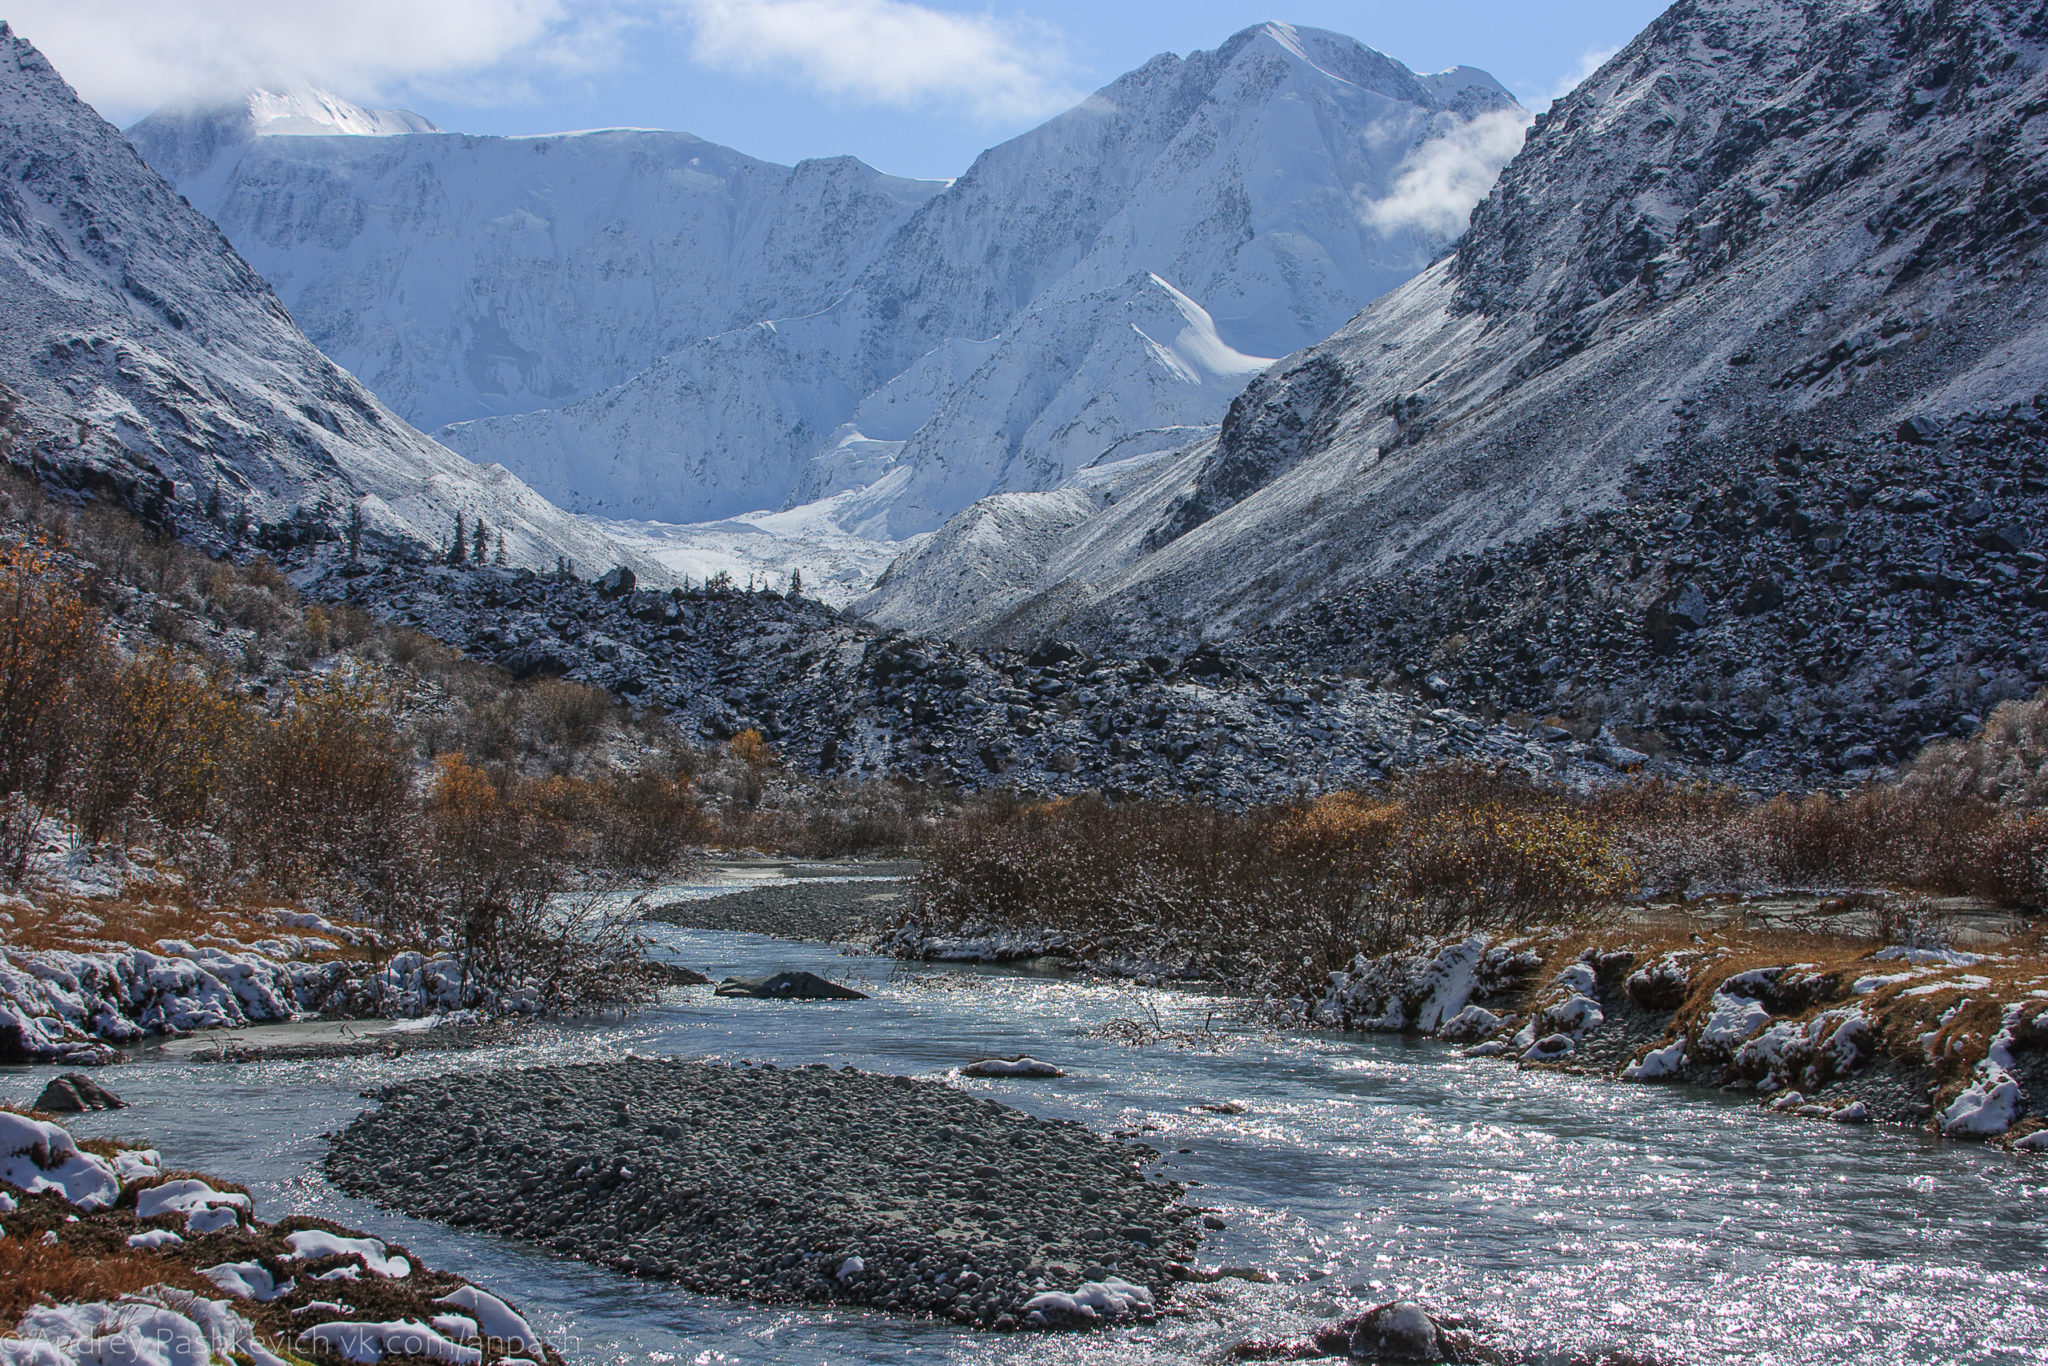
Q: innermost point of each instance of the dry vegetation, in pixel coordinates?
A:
(1274, 898)
(90, 1262)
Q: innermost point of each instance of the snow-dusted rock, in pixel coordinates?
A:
(494, 1318)
(1422, 990)
(206, 1210)
(1990, 1104)
(1656, 1064)
(1107, 1300)
(36, 1157)
(1011, 1067)
(1550, 1048)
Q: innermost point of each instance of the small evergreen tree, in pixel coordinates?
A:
(796, 583)
(499, 558)
(480, 544)
(458, 549)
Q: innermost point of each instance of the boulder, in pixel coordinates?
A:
(75, 1092)
(536, 661)
(617, 583)
(1401, 1331)
(789, 986)
(1019, 1066)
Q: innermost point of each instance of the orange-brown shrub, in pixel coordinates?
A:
(1276, 896)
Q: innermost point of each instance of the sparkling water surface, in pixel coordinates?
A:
(1567, 1215)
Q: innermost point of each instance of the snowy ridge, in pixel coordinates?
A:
(650, 327)
(144, 358)
(1758, 223)
(464, 277)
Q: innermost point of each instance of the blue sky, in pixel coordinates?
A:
(915, 87)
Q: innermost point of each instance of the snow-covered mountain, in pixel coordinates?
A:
(143, 358)
(461, 277)
(1123, 269)
(1762, 223)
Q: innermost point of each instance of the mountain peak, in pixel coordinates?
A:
(301, 109)
(182, 141)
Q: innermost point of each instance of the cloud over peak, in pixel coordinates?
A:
(130, 56)
(888, 52)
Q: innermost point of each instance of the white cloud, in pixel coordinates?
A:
(1589, 62)
(1440, 180)
(888, 52)
(129, 56)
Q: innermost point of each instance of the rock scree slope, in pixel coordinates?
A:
(1762, 233)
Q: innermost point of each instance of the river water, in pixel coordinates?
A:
(1567, 1214)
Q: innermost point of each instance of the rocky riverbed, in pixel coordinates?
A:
(784, 1185)
(826, 912)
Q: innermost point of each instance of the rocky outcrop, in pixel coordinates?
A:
(1934, 1037)
(1824, 609)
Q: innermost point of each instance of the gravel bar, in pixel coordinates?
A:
(824, 912)
(775, 1184)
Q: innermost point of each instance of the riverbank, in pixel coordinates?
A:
(105, 1255)
(786, 1185)
(1820, 1026)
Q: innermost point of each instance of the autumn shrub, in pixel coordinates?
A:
(320, 802)
(2005, 762)
(1274, 895)
(154, 747)
(51, 652)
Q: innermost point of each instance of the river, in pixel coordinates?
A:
(1567, 1213)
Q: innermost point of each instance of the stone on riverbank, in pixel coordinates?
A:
(1019, 1066)
(75, 1092)
(776, 1184)
(789, 986)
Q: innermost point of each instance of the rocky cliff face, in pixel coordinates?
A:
(144, 360)
(1760, 228)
